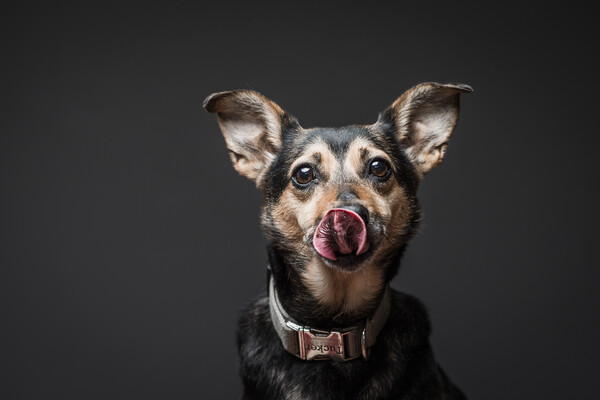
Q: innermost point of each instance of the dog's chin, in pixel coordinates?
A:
(348, 263)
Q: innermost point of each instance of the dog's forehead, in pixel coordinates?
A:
(338, 140)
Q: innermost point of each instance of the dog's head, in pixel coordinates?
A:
(340, 203)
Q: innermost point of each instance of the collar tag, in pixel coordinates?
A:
(318, 345)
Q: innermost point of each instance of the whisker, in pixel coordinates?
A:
(300, 251)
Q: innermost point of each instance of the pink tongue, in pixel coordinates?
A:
(340, 231)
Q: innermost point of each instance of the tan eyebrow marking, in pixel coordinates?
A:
(318, 153)
(317, 157)
(363, 153)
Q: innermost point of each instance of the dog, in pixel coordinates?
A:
(340, 207)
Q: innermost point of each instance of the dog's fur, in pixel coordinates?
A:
(268, 146)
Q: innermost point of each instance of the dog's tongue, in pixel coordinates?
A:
(340, 231)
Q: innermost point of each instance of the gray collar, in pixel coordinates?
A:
(341, 344)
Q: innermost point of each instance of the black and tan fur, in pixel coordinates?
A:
(267, 145)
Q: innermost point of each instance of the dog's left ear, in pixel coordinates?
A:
(424, 118)
(252, 127)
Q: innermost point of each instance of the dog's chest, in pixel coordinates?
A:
(270, 372)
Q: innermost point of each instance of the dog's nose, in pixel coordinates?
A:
(348, 197)
(359, 209)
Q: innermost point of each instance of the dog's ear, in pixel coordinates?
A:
(424, 118)
(252, 127)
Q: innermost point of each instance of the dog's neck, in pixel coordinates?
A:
(317, 295)
(340, 344)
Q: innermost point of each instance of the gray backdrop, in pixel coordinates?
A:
(128, 244)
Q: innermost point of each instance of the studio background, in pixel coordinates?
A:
(129, 245)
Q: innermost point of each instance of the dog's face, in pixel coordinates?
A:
(339, 202)
(346, 196)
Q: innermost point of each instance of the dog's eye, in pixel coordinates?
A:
(303, 175)
(380, 168)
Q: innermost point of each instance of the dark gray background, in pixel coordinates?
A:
(129, 244)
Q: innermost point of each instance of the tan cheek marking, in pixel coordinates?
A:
(398, 212)
(393, 210)
(285, 217)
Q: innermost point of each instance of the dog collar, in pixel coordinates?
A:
(341, 344)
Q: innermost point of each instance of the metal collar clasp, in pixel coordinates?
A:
(318, 345)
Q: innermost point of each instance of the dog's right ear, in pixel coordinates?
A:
(252, 127)
(424, 118)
